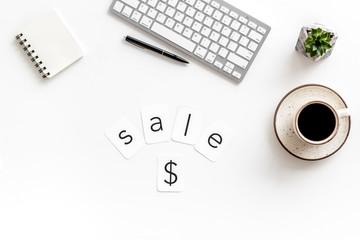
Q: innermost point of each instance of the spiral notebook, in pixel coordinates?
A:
(49, 44)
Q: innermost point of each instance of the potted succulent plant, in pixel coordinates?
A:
(316, 41)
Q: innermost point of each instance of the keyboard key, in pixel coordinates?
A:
(161, 18)
(224, 41)
(244, 53)
(190, 11)
(224, 9)
(208, 10)
(127, 11)
(215, 4)
(232, 46)
(188, 21)
(205, 43)
(235, 25)
(197, 26)
(131, 3)
(214, 47)
(179, 16)
(169, 23)
(146, 22)
(199, 16)
(226, 31)
(230, 65)
(226, 20)
(181, 6)
(236, 74)
(200, 52)
(190, 2)
(261, 30)
(234, 14)
(173, 37)
(214, 36)
(210, 57)
(152, 13)
(218, 64)
(253, 46)
(217, 15)
(196, 37)
(244, 30)
(199, 5)
(257, 37)
(179, 27)
(238, 60)
(118, 6)
(217, 26)
(136, 16)
(244, 41)
(188, 32)
(228, 70)
(170, 11)
(243, 20)
(161, 6)
(252, 25)
(205, 31)
(172, 2)
(143, 8)
(152, 3)
(208, 21)
(235, 36)
(223, 52)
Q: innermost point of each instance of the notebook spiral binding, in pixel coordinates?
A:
(31, 53)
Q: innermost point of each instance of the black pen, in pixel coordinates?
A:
(145, 45)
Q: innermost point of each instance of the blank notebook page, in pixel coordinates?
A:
(52, 42)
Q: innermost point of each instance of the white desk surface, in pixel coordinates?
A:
(61, 178)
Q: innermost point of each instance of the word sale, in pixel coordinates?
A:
(157, 128)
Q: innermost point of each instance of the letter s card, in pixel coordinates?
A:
(125, 137)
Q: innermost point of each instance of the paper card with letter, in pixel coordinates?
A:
(156, 123)
(213, 142)
(170, 173)
(187, 125)
(125, 137)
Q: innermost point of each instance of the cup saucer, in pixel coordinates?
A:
(284, 127)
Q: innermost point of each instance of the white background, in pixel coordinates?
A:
(61, 178)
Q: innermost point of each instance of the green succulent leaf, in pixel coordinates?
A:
(326, 36)
(319, 31)
(327, 46)
(309, 39)
(318, 42)
(314, 32)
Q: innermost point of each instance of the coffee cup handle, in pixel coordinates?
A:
(342, 113)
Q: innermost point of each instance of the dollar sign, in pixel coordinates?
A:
(172, 181)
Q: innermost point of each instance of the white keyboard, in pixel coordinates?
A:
(213, 32)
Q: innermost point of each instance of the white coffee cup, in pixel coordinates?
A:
(317, 122)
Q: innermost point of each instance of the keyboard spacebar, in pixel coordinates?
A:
(173, 37)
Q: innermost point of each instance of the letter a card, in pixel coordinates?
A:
(125, 137)
(170, 173)
(213, 142)
(156, 123)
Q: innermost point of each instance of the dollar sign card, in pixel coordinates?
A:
(170, 173)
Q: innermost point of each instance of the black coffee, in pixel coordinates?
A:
(316, 122)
